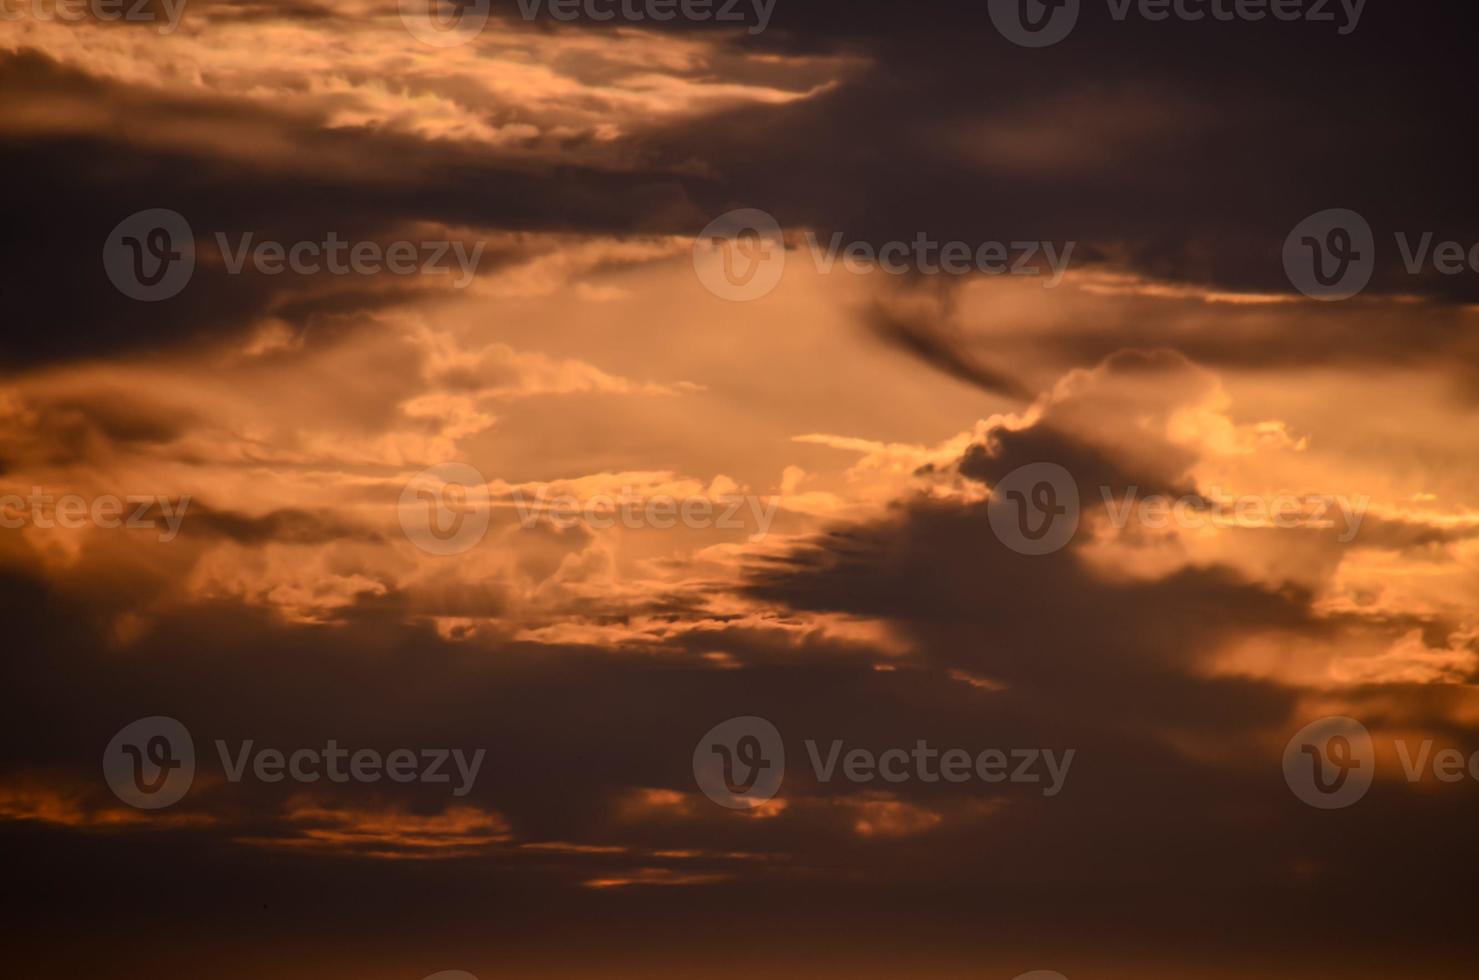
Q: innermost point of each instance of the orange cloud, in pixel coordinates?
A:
(387, 833)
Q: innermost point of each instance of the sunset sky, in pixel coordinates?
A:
(268, 436)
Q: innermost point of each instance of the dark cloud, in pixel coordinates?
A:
(921, 335)
(1190, 149)
(359, 184)
(1184, 151)
(285, 526)
(1174, 795)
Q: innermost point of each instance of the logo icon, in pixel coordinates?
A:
(1330, 763)
(1034, 23)
(1330, 255)
(444, 509)
(444, 23)
(739, 764)
(150, 763)
(1034, 508)
(740, 255)
(150, 255)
